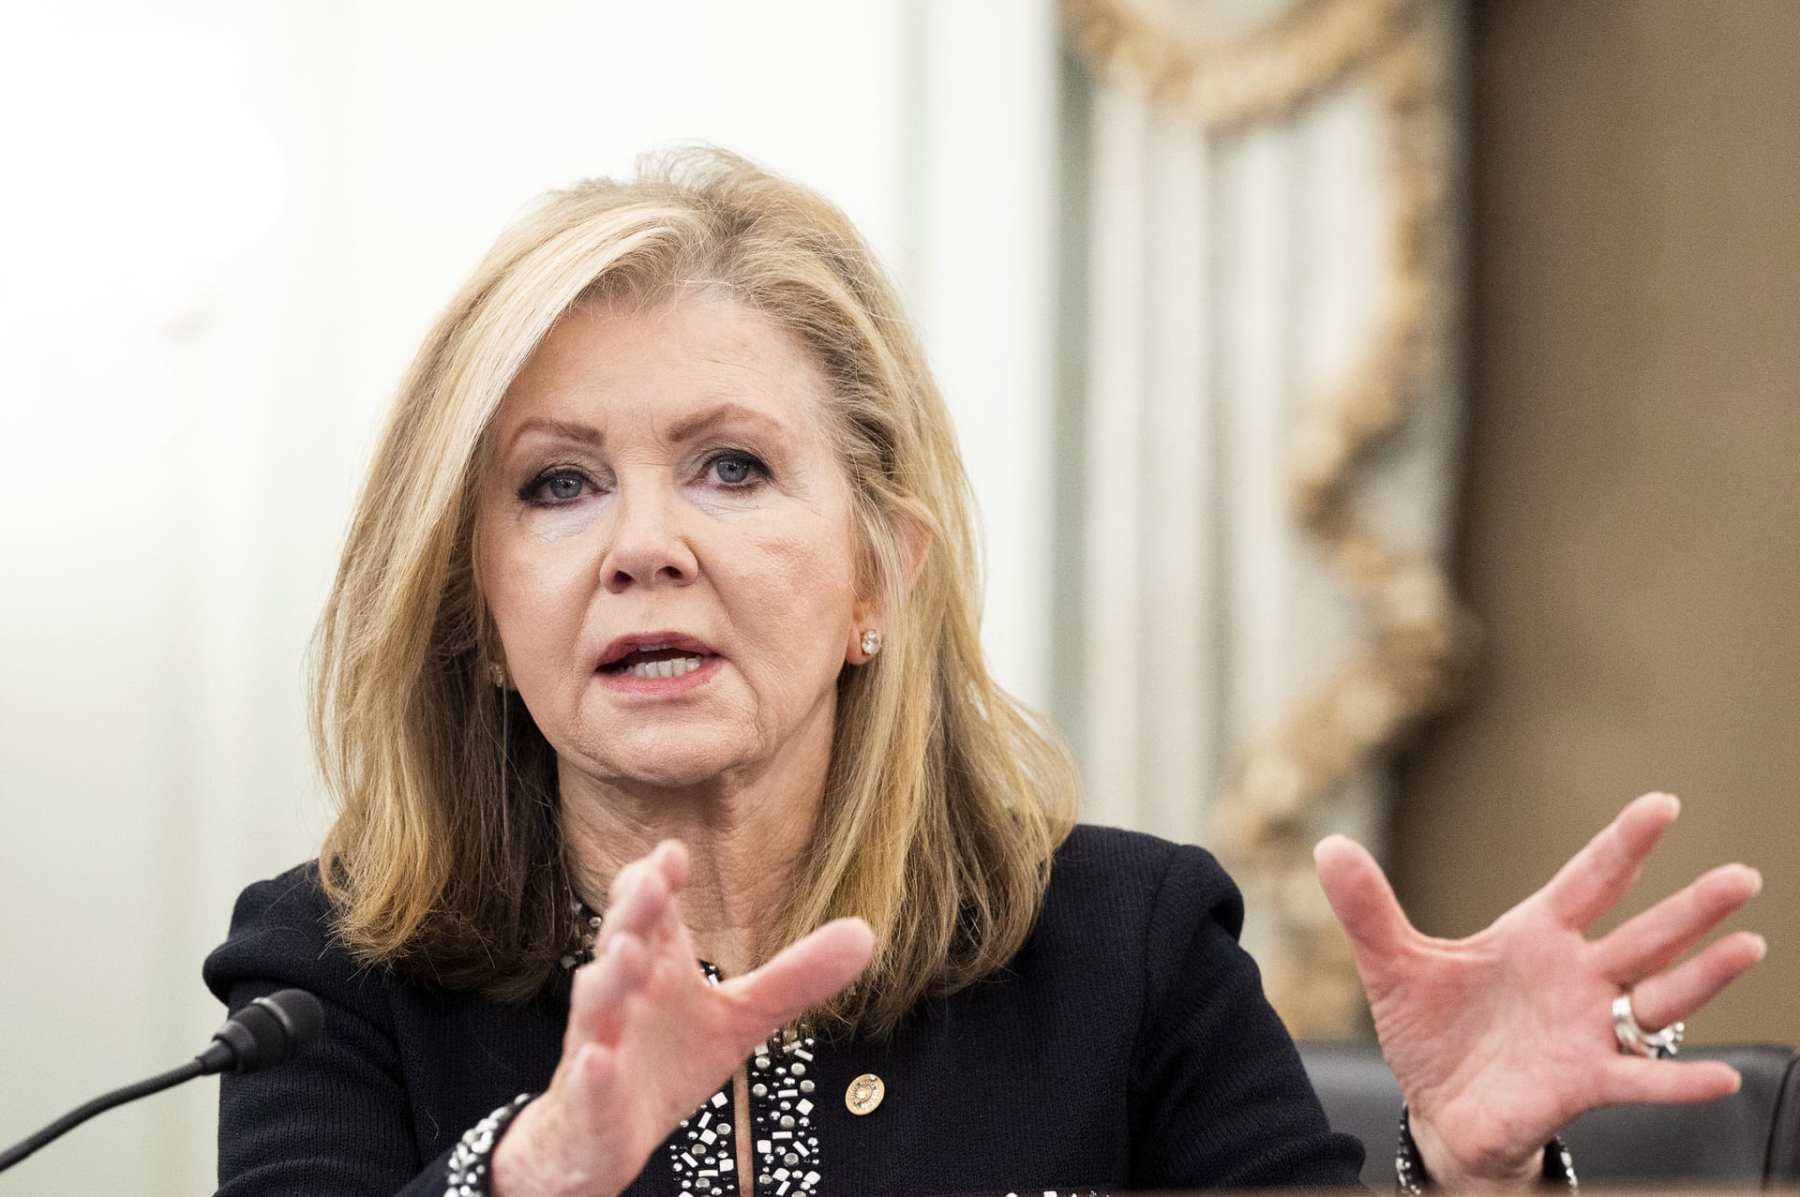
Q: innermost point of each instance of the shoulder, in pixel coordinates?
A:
(1125, 918)
(290, 902)
(282, 934)
(289, 908)
(1108, 877)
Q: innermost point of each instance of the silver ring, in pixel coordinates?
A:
(1636, 1041)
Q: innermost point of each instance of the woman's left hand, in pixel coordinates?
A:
(1498, 1040)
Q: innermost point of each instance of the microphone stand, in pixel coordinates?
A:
(262, 1034)
(101, 1104)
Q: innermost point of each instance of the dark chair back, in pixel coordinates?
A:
(1749, 1138)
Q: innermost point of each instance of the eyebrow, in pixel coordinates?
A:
(682, 429)
(585, 433)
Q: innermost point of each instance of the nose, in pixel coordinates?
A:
(647, 546)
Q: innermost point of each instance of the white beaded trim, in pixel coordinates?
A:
(1411, 1178)
(469, 1171)
(787, 1150)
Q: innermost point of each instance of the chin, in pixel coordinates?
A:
(668, 761)
(670, 774)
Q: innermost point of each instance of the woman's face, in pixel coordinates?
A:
(664, 478)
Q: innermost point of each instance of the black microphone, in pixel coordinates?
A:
(262, 1034)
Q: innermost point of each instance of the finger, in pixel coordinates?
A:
(597, 1002)
(627, 879)
(1362, 899)
(805, 973)
(667, 934)
(1649, 942)
(1665, 1082)
(1599, 874)
(672, 857)
(1678, 993)
(640, 897)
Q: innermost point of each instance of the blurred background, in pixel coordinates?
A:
(1385, 416)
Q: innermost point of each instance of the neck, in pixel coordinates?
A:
(744, 835)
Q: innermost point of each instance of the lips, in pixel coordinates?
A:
(643, 642)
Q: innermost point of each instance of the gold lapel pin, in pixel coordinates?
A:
(864, 1094)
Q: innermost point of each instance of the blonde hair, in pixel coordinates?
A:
(945, 797)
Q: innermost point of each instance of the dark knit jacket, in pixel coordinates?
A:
(1127, 1046)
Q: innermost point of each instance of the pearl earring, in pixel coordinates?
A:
(871, 642)
(497, 674)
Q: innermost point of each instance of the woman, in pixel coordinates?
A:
(661, 599)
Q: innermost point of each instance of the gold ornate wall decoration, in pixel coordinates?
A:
(1420, 639)
(1268, 71)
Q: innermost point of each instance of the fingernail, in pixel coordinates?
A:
(1762, 946)
(1756, 882)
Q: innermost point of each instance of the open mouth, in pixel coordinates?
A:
(656, 663)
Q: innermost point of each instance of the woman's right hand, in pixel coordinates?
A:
(649, 1040)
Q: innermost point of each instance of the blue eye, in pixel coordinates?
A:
(737, 469)
(553, 487)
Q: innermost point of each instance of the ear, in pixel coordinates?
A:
(915, 542)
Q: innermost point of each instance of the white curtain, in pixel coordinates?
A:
(1238, 269)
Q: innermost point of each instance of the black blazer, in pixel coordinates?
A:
(1128, 1045)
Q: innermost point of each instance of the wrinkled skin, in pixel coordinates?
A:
(1498, 1040)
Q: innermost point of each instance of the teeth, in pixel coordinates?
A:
(674, 668)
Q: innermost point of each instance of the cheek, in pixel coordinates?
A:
(797, 588)
(537, 590)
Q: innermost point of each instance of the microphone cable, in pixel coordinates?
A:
(262, 1034)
